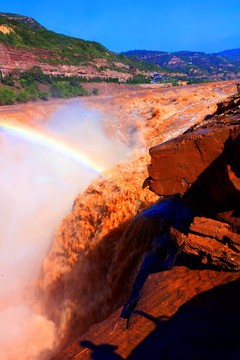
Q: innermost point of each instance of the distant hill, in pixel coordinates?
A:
(141, 53)
(231, 54)
(28, 44)
(23, 19)
(223, 65)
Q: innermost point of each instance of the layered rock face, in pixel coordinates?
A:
(15, 58)
(203, 166)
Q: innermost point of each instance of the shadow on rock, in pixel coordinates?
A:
(164, 254)
(101, 352)
(206, 327)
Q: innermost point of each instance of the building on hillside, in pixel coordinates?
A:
(156, 78)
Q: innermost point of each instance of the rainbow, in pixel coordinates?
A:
(41, 138)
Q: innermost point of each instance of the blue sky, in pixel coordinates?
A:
(205, 25)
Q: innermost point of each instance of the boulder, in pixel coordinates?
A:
(177, 164)
(213, 241)
(230, 103)
(203, 163)
(203, 166)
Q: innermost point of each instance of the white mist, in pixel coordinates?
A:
(37, 189)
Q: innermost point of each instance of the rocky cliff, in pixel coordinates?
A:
(204, 171)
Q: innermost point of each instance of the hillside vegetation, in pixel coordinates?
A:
(24, 32)
(35, 85)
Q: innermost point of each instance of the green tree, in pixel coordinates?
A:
(33, 92)
(95, 91)
(74, 81)
(139, 79)
(59, 90)
(44, 95)
(35, 74)
(8, 80)
(65, 90)
(22, 96)
(7, 96)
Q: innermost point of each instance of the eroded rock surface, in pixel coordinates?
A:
(203, 165)
(177, 164)
(182, 313)
(213, 241)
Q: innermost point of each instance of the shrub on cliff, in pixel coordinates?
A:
(7, 96)
(34, 74)
(22, 96)
(59, 90)
(65, 90)
(95, 91)
(139, 79)
(44, 95)
(79, 91)
(74, 81)
(33, 92)
(8, 80)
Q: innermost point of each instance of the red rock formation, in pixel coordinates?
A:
(213, 241)
(16, 58)
(177, 164)
(204, 167)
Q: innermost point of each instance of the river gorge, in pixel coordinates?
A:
(71, 175)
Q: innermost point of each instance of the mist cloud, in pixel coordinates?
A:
(37, 189)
